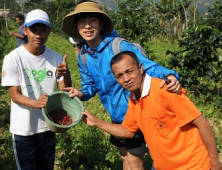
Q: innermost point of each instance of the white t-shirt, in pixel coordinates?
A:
(35, 75)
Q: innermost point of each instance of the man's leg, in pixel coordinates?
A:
(35, 152)
(136, 148)
(45, 153)
(135, 161)
(131, 162)
(24, 150)
(131, 151)
(123, 155)
(121, 146)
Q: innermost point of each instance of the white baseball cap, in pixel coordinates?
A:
(37, 16)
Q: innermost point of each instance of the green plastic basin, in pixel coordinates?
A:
(60, 101)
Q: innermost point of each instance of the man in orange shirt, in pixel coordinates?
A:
(177, 134)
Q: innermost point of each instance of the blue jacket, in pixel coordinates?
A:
(97, 75)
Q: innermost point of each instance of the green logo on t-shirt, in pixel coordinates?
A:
(39, 75)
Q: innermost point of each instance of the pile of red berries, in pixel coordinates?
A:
(60, 118)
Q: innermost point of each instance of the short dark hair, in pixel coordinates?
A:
(20, 17)
(118, 57)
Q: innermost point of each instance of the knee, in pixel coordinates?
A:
(135, 162)
(123, 153)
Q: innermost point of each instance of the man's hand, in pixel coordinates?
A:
(74, 92)
(11, 33)
(62, 69)
(173, 86)
(42, 101)
(89, 118)
(216, 166)
(114, 129)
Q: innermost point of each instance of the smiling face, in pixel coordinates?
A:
(90, 29)
(129, 74)
(37, 36)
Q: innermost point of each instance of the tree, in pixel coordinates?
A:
(33, 4)
(185, 4)
(134, 21)
(195, 12)
(173, 14)
(214, 18)
(198, 19)
(10, 4)
(56, 10)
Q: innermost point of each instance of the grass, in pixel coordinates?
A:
(158, 47)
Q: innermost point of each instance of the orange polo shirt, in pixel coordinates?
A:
(164, 118)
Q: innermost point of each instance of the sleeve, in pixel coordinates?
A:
(184, 109)
(130, 121)
(150, 67)
(10, 72)
(88, 87)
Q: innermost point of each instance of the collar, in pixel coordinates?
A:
(146, 86)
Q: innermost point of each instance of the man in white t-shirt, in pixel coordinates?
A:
(30, 73)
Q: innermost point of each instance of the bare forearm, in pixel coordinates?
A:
(18, 35)
(114, 129)
(67, 80)
(23, 100)
(208, 139)
(18, 98)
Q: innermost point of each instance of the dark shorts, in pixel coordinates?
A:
(35, 152)
(135, 145)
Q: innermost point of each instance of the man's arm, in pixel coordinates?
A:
(15, 94)
(209, 141)
(66, 82)
(114, 129)
(17, 35)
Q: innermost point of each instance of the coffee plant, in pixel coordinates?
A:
(198, 59)
(214, 17)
